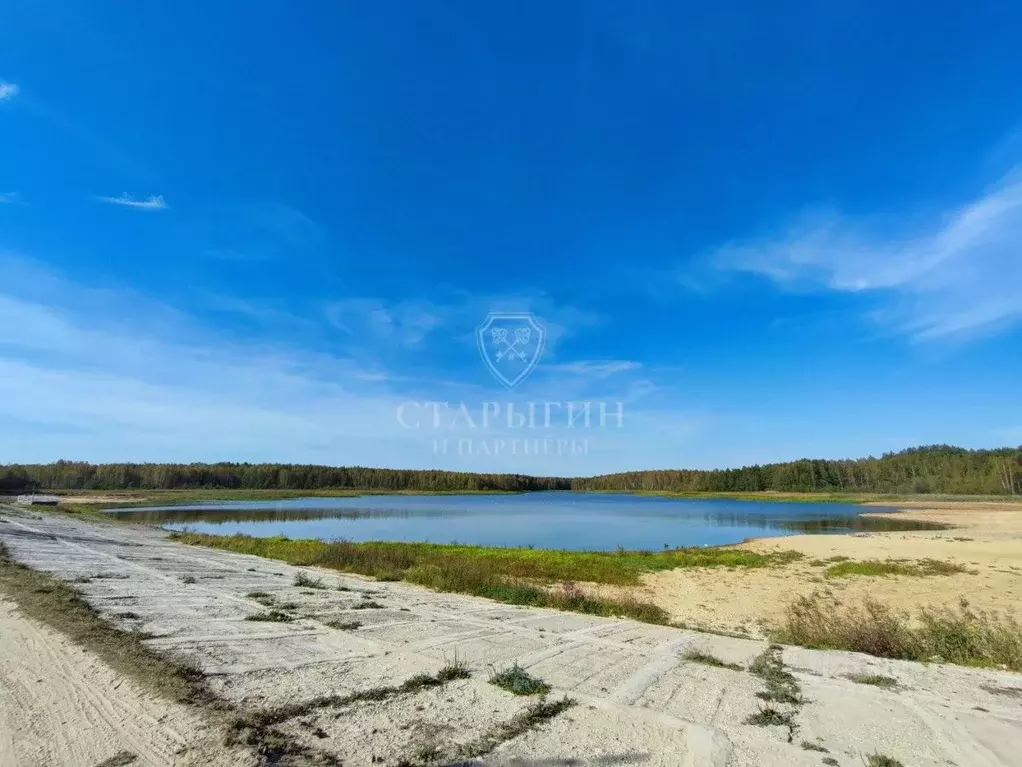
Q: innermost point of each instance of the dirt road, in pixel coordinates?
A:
(61, 706)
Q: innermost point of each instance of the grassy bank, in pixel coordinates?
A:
(536, 577)
(958, 635)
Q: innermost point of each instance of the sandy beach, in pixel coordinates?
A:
(985, 537)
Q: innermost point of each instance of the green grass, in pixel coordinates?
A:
(808, 745)
(695, 656)
(368, 605)
(518, 681)
(879, 760)
(343, 625)
(515, 576)
(307, 582)
(771, 717)
(957, 635)
(271, 616)
(873, 567)
(875, 680)
(781, 685)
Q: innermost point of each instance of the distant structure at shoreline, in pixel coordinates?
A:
(38, 500)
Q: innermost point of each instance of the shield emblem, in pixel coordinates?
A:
(511, 345)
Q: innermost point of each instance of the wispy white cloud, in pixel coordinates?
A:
(8, 91)
(110, 374)
(10, 198)
(153, 202)
(595, 368)
(958, 277)
(369, 320)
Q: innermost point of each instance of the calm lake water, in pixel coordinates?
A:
(551, 520)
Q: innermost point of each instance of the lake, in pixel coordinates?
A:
(549, 520)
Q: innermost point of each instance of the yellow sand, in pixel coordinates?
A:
(987, 539)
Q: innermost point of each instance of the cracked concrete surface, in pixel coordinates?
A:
(639, 701)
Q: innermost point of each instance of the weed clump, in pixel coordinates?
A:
(454, 670)
(880, 760)
(367, 605)
(271, 616)
(808, 745)
(781, 685)
(303, 580)
(343, 625)
(518, 681)
(875, 680)
(695, 656)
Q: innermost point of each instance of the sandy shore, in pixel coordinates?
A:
(986, 538)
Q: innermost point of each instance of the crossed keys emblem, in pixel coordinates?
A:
(511, 345)
(522, 336)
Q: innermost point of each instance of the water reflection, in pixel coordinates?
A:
(544, 520)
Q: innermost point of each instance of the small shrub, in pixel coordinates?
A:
(518, 681)
(259, 595)
(454, 670)
(188, 579)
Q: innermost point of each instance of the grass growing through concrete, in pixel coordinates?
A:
(513, 576)
(308, 582)
(782, 689)
(534, 716)
(518, 681)
(874, 680)
(808, 745)
(767, 716)
(879, 760)
(343, 625)
(876, 568)
(950, 635)
(259, 720)
(781, 685)
(367, 605)
(695, 656)
(270, 616)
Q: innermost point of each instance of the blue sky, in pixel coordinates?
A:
(250, 231)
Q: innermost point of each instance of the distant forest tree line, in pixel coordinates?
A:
(934, 469)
